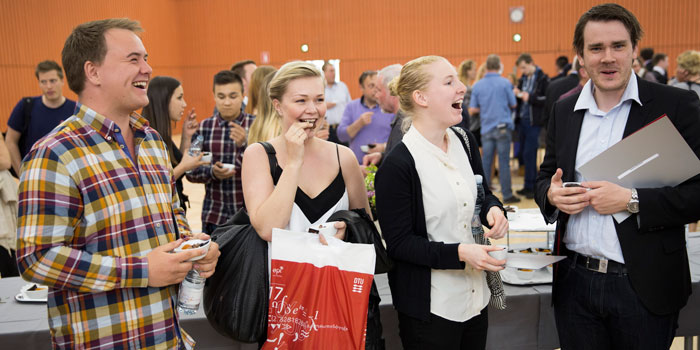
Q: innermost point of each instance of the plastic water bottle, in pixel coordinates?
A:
(195, 148)
(190, 296)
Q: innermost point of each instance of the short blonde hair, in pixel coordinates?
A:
(689, 61)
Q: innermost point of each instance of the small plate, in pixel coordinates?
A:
(204, 248)
(23, 298)
(541, 276)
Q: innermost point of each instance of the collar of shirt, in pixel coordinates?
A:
(105, 126)
(413, 136)
(223, 122)
(362, 102)
(586, 101)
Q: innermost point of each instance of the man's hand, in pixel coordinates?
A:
(166, 268)
(365, 118)
(237, 134)
(220, 172)
(607, 197)
(498, 223)
(207, 265)
(371, 158)
(324, 131)
(525, 96)
(571, 200)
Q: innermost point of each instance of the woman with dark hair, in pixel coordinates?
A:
(166, 106)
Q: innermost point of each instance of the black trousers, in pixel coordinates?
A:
(599, 311)
(439, 333)
(8, 263)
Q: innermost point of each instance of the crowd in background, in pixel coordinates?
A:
(297, 107)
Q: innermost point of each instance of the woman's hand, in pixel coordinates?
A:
(498, 223)
(190, 125)
(477, 257)
(340, 234)
(189, 162)
(295, 138)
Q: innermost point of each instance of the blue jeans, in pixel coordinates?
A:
(529, 138)
(492, 141)
(602, 311)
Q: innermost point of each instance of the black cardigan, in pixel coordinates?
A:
(402, 220)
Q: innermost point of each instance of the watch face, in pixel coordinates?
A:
(633, 207)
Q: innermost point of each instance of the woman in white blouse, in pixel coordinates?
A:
(426, 192)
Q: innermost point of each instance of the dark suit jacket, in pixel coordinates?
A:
(536, 101)
(654, 250)
(402, 219)
(556, 89)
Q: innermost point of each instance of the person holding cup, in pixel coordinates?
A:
(426, 194)
(166, 106)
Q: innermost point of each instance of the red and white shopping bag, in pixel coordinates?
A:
(318, 294)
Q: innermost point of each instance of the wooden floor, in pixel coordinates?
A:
(196, 196)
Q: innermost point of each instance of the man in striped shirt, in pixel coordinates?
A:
(98, 210)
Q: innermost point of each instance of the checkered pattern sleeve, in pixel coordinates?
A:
(50, 207)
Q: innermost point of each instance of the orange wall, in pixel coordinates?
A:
(193, 39)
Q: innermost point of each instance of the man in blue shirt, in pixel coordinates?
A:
(494, 99)
(43, 113)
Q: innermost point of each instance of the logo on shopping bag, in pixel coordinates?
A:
(357, 285)
(277, 272)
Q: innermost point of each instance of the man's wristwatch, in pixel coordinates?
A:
(633, 204)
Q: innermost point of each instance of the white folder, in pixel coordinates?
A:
(654, 156)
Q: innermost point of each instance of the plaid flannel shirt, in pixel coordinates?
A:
(223, 197)
(87, 218)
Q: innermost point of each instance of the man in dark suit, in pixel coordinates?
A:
(558, 87)
(624, 283)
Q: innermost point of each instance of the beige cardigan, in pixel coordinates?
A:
(8, 211)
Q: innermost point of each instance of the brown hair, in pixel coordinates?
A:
(256, 80)
(524, 57)
(607, 13)
(493, 62)
(463, 70)
(87, 43)
(47, 66)
(267, 123)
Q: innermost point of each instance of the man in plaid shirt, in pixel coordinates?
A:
(98, 209)
(225, 136)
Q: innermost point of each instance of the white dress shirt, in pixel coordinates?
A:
(337, 93)
(449, 194)
(588, 232)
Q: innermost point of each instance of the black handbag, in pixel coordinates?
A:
(236, 295)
